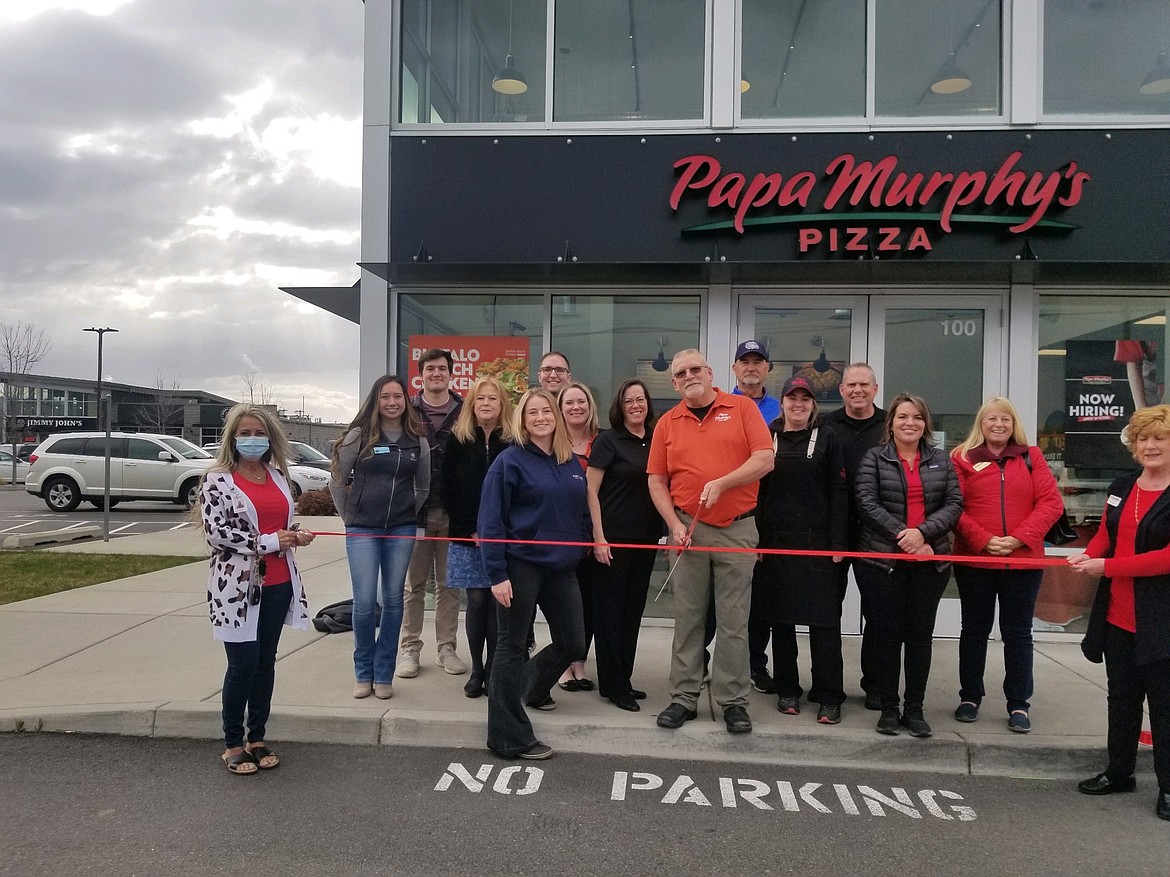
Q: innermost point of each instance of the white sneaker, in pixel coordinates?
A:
(450, 662)
(407, 665)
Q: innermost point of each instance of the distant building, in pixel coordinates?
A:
(33, 407)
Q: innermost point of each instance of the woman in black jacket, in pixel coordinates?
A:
(481, 432)
(803, 505)
(909, 501)
(1130, 623)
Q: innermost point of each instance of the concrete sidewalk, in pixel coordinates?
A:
(136, 657)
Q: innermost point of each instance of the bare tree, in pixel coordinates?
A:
(165, 411)
(256, 391)
(22, 346)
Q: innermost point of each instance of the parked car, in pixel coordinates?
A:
(69, 467)
(22, 468)
(301, 476)
(307, 455)
(22, 450)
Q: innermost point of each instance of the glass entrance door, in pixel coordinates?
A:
(946, 347)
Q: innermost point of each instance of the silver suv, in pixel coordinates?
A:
(70, 467)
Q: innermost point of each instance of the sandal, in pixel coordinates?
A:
(235, 763)
(261, 752)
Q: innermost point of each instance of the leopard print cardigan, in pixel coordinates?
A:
(231, 527)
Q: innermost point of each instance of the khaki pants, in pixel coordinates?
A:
(726, 578)
(428, 554)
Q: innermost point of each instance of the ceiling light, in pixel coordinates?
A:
(1157, 81)
(951, 79)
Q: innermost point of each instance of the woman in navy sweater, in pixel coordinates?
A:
(534, 490)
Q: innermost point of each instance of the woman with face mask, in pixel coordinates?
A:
(254, 589)
(381, 477)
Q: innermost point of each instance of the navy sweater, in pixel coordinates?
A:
(528, 495)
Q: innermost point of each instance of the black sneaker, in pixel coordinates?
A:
(967, 711)
(789, 706)
(873, 701)
(913, 722)
(829, 714)
(888, 723)
(537, 752)
(545, 703)
(762, 682)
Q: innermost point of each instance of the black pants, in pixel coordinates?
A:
(515, 680)
(588, 571)
(868, 673)
(619, 597)
(903, 603)
(1130, 685)
(251, 670)
(480, 622)
(828, 671)
(761, 628)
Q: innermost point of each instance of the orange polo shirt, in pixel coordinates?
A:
(689, 454)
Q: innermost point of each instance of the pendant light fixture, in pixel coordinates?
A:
(509, 80)
(1157, 81)
(660, 364)
(951, 79)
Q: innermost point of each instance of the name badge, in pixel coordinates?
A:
(380, 449)
(1113, 500)
(979, 467)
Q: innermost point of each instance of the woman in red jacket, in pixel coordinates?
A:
(1010, 500)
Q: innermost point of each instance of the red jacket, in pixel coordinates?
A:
(1006, 499)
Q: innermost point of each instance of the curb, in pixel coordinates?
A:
(50, 537)
(701, 740)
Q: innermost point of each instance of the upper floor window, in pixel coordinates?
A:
(636, 60)
(1107, 58)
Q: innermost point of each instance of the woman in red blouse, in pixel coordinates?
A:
(1130, 623)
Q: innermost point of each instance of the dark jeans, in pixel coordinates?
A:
(760, 626)
(903, 603)
(515, 680)
(1016, 590)
(251, 670)
(1130, 685)
(868, 673)
(480, 622)
(828, 668)
(619, 597)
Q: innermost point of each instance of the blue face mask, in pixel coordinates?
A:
(252, 447)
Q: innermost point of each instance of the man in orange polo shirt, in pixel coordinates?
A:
(706, 459)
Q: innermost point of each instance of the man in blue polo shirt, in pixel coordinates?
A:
(751, 367)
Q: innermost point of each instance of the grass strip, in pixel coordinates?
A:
(28, 574)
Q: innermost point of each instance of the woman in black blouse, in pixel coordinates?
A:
(481, 432)
(622, 512)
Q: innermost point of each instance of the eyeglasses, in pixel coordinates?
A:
(630, 403)
(693, 370)
(553, 370)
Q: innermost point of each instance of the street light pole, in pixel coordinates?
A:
(103, 399)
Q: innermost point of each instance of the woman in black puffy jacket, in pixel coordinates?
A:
(909, 502)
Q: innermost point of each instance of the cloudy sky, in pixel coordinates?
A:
(165, 166)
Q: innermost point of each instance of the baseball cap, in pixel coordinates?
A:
(751, 347)
(797, 383)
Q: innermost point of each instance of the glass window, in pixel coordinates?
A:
(75, 405)
(52, 402)
(1100, 357)
(1107, 58)
(629, 59)
(938, 59)
(802, 60)
(610, 338)
(452, 50)
(74, 446)
(142, 449)
(469, 325)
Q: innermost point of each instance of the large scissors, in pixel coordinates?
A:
(685, 544)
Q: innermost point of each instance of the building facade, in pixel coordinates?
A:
(973, 197)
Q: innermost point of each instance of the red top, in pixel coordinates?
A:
(272, 509)
(1125, 565)
(915, 499)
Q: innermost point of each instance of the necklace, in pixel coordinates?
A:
(255, 479)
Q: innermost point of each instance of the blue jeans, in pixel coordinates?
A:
(251, 670)
(1016, 590)
(375, 646)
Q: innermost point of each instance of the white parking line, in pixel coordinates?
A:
(123, 527)
(18, 526)
(73, 526)
(181, 526)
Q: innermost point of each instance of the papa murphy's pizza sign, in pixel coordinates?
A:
(505, 359)
(858, 206)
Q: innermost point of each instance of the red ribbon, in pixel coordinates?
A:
(978, 559)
